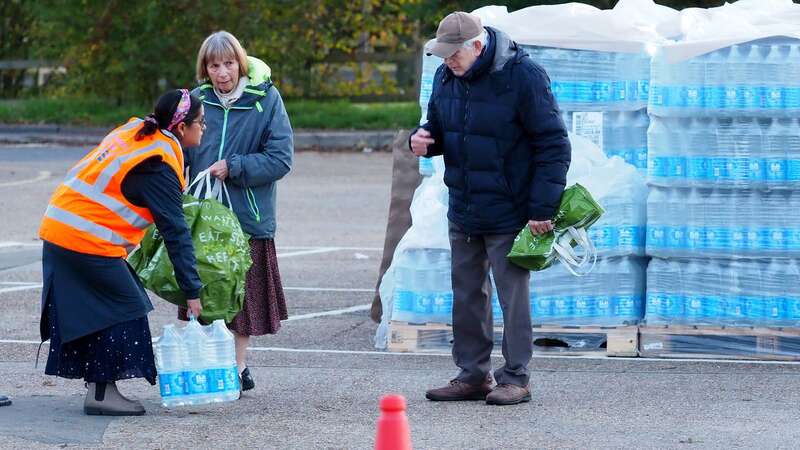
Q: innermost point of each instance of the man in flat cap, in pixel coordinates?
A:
(506, 154)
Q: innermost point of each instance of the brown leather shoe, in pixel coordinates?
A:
(458, 390)
(508, 394)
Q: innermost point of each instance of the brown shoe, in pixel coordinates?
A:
(458, 390)
(508, 394)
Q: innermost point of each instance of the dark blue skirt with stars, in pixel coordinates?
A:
(119, 352)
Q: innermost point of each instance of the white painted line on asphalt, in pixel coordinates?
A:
(21, 288)
(334, 312)
(4, 244)
(309, 252)
(19, 283)
(386, 353)
(313, 289)
(43, 175)
(366, 249)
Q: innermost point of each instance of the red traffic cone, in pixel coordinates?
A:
(393, 431)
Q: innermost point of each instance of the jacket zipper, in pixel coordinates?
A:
(252, 201)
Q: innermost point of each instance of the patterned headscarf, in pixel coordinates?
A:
(182, 110)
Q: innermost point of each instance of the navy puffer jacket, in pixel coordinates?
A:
(505, 146)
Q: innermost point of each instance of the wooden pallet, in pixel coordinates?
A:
(673, 341)
(572, 341)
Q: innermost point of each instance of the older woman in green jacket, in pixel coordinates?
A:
(248, 143)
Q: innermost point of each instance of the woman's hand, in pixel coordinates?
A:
(194, 307)
(219, 170)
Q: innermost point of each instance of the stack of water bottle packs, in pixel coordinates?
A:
(197, 364)
(603, 97)
(724, 165)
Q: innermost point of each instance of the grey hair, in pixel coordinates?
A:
(479, 38)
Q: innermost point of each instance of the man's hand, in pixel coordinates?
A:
(194, 307)
(420, 142)
(219, 170)
(540, 226)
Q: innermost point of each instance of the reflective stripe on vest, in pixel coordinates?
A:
(88, 213)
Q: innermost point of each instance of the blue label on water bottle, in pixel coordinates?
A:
(793, 239)
(792, 168)
(718, 238)
(232, 378)
(719, 169)
(632, 88)
(657, 97)
(792, 98)
(676, 167)
(774, 310)
(655, 305)
(656, 236)
(673, 306)
(197, 381)
(748, 97)
(692, 96)
(629, 236)
(643, 89)
(171, 384)
(775, 239)
(625, 307)
(773, 98)
(735, 308)
(753, 239)
(564, 91)
(423, 304)
(603, 237)
(583, 92)
(698, 168)
(754, 309)
(711, 308)
(738, 168)
(731, 97)
(601, 91)
(739, 238)
(718, 97)
(604, 306)
(584, 306)
(676, 237)
(658, 166)
(695, 237)
(216, 380)
(619, 91)
(792, 308)
(543, 307)
(562, 307)
(756, 170)
(693, 307)
(403, 301)
(641, 158)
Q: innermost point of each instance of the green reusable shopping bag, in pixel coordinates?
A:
(222, 251)
(576, 213)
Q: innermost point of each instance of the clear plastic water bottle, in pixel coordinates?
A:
(170, 364)
(791, 150)
(656, 222)
(716, 81)
(695, 217)
(403, 295)
(195, 350)
(792, 75)
(774, 62)
(223, 373)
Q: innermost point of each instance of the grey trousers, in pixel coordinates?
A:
(472, 256)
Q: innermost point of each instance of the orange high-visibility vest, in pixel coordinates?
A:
(88, 213)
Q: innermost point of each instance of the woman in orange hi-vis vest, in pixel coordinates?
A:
(94, 308)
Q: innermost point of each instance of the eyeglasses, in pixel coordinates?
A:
(201, 121)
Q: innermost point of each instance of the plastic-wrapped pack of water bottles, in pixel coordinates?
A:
(705, 222)
(760, 293)
(760, 78)
(197, 364)
(725, 151)
(602, 96)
